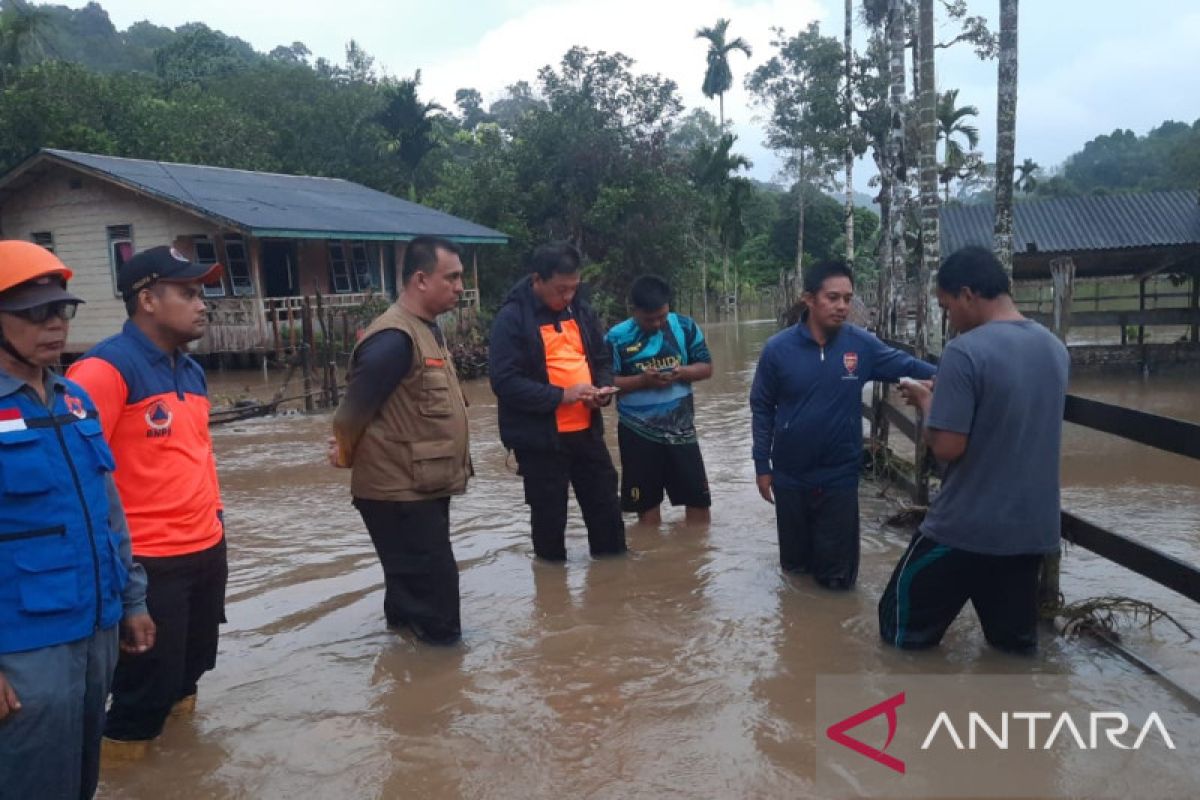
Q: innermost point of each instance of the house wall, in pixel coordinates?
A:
(78, 220)
(313, 257)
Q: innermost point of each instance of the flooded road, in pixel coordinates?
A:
(686, 669)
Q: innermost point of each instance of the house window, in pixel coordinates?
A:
(365, 278)
(338, 271)
(206, 253)
(237, 266)
(120, 250)
(44, 239)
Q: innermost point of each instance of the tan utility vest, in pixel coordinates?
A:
(416, 447)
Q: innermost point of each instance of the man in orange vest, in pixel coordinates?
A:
(551, 373)
(153, 402)
(402, 429)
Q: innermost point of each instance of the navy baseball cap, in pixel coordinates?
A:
(161, 264)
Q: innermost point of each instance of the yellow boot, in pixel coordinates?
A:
(184, 707)
(114, 752)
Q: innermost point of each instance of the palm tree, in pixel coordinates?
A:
(410, 126)
(713, 169)
(1026, 182)
(1006, 133)
(952, 122)
(927, 102)
(718, 78)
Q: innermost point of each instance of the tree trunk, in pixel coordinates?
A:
(721, 109)
(883, 287)
(1006, 133)
(896, 155)
(800, 229)
(930, 242)
(724, 276)
(849, 156)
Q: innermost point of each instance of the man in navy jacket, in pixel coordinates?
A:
(807, 425)
(551, 373)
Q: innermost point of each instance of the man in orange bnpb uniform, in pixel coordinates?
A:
(153, 403)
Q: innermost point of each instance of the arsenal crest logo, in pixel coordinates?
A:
(850, 362)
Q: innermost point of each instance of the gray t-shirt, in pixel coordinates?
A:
(1004, 385)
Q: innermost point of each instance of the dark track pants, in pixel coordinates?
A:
(51, 746)
(186, 599)
(582, 462)
(818, 533)
(412, 540)
(933, 582)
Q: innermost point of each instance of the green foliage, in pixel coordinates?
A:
(1168, 157)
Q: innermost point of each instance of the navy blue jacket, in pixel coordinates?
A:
(807, 404)
(65, 562)
(526, 400)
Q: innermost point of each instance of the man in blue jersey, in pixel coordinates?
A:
(807, 425)
(657, 355)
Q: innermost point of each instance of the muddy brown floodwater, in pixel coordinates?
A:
(685, 670)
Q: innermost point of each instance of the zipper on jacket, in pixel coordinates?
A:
(822, 353)
(87, 517)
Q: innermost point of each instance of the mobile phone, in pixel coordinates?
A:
(666, 369)
(604, 391)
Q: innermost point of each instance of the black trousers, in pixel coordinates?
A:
(818, 533)
(412, 540)
(932, 583)
(582, 462)
(186, 599)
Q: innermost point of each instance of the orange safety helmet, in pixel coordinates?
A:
(23, 261)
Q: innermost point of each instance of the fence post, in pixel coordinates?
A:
(306, 348)
(1062, 274)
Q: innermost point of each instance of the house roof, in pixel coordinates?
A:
(1081, 224)
(266, 204)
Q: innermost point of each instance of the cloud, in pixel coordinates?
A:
(659, 36)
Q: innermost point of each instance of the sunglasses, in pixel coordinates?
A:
(63, 309)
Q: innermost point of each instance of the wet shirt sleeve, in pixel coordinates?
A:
(380, 363)
(697, 348)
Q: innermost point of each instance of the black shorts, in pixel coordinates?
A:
(648, 467)
(933, 582)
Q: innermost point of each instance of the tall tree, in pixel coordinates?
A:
(718, 78)
(952, 125)
(714, 169)
(1027, 181)
(1006, 133)
(897, 19)
(930, 240)
(21, 35)
(410, 125)
(801, 87)
(848, 156)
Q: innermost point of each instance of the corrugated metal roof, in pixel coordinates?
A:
(1075, 224)
(293, 206)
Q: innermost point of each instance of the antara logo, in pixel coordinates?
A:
(837, 731)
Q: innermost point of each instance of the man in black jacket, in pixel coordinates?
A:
(551, 374)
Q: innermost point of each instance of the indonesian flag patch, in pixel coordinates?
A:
(11, 420)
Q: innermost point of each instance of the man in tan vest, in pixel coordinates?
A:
(402, 429)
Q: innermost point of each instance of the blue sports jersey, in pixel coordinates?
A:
(666, 414)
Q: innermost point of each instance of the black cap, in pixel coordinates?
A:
(37, 292)
(161, 264)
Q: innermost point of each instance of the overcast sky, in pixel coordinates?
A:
(1087, 66)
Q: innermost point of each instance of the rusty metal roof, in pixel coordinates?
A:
(268, 204)
(1077, 224)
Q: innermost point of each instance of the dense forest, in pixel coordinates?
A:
(589, 148)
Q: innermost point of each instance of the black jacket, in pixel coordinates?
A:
(517, 367)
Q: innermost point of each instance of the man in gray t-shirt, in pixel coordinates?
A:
(995, 420)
